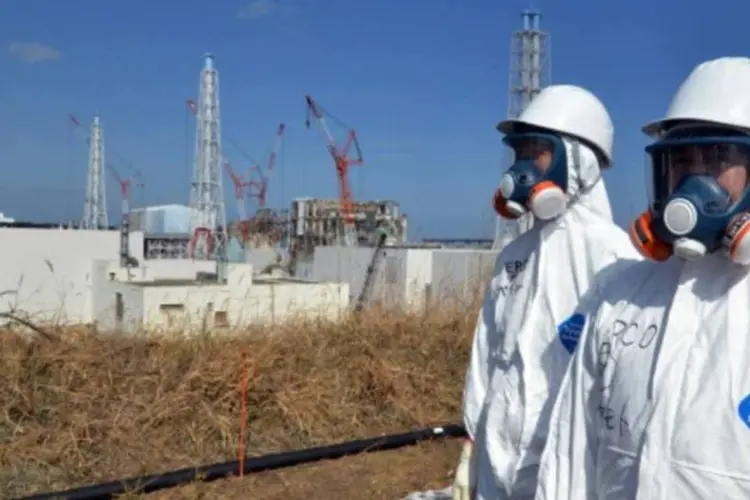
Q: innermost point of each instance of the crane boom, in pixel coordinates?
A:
(124, 188)
(259, 189)
(239, 190)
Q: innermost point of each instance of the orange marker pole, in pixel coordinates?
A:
(243, 412)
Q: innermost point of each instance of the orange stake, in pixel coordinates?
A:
(243, 412)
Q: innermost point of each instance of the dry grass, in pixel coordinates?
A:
(102, 408)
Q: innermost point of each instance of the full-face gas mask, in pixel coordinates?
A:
(698, 195)
(538, 178)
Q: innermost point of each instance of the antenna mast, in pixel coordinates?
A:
(208, 214)
(95, 207)
(530, 72)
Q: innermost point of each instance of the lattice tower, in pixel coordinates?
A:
(95, 206)
(208, 214)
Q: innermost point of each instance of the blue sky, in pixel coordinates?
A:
(423, 81)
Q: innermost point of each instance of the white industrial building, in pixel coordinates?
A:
(161, 219)
(74, 277)
(407, 278)
(161, 299)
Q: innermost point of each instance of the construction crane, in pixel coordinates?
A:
(240, 185)
(255, 188)
(239, 190)
(266, 225)
(343, 161)
(259, 189)
(125, 260)
(124, 188)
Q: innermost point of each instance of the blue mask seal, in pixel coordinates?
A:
(699, 183)
(538, 178)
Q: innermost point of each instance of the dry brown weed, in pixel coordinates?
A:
(103, 408)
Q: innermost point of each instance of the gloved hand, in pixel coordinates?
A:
(465, 480)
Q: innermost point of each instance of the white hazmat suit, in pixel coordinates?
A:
(654, 405)
(517, 359)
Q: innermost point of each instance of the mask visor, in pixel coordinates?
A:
(532, 147)
(671, 161)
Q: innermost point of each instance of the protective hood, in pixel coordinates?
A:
(586, 190)
(517, 360)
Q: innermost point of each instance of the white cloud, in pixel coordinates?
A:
(257, 9)
(33, 52)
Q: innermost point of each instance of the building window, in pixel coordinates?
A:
(170, 308)
(119, 307)
(221, 319)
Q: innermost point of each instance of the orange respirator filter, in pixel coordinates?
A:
(644, 239)
(500, 204)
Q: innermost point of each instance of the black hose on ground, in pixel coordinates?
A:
(155, 482)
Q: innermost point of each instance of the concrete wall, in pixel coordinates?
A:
(458, 275)
(260, 258)
(420, 269)
(405, 277)
(399, 281)
(349, 265)
(190, 308)
(104, 300)
(160, 269)
(47, 273)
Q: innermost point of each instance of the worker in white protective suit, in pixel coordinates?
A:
(654, 405)
(562, 141)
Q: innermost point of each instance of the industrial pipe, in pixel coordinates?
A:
(206, 473)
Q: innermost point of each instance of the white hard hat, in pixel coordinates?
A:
(716, 92)
(570, 110)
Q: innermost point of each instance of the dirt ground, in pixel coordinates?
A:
(84, 408)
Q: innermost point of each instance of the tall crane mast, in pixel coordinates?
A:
(343, 161)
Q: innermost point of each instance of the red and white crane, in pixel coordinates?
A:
(259, 189)
(343, 161)
(239, 190)
(124, 188)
